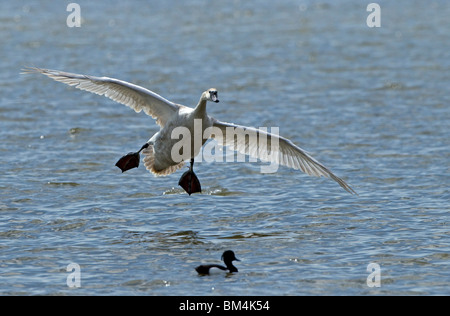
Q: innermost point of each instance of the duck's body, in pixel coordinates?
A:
(163, 153)
(207, 268)
(228, 257)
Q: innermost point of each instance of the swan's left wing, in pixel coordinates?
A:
(133, 96)
(273, 148)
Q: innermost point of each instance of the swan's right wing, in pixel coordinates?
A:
(273, 148)
(131, 95)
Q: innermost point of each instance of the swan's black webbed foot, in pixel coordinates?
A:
(130, 160)
(189, 181)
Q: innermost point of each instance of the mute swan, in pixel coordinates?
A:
(169, 116)
(228, 257)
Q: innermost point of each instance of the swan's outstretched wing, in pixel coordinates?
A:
(134, 96)
(274, 148)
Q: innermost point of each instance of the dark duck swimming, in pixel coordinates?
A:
(227, 257)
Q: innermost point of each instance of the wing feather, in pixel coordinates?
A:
(273, 148)
(131, 95)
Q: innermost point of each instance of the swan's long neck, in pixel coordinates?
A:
(200, 109)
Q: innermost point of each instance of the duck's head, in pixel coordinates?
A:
(210, 95)
(228, 256)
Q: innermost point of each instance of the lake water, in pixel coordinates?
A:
(372, 104)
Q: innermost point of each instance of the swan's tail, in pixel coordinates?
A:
(149, 163)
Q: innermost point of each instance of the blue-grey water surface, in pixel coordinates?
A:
(372, 104)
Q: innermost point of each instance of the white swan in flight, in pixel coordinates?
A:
(169, 116)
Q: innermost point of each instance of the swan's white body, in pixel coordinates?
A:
(158, 158)
(169, 115)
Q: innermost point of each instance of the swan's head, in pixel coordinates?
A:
(210, 95)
